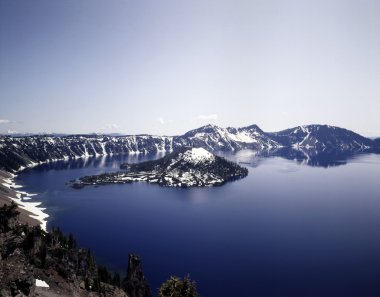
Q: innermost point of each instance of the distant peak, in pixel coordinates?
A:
(203, 129)
(252, 127)
(208, 126)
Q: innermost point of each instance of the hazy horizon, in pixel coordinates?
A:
(149, 67)
(178, 134)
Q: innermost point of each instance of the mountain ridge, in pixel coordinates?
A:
(18, 153)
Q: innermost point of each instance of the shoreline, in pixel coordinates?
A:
(30, 212)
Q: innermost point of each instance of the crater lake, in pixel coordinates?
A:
(296, 226)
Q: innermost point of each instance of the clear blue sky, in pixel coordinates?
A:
(164, 67)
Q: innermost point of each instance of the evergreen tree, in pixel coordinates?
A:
(116, 279)
(72, 244)
(177, 287)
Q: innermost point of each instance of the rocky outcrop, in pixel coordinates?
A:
(135, 283)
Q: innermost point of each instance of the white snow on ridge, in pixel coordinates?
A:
(196, 155)
(242, 136)
(304, 129)
(36, 212)
(41, 283)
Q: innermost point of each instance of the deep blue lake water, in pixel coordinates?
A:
(288, 229)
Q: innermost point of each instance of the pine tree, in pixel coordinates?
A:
(177, 287)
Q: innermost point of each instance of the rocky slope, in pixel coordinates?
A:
(36, 263)
(8, 193)
(16, 153)
(186, 167)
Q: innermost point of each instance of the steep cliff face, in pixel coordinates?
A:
(20, 152)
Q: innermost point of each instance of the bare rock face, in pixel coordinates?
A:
(135, 283)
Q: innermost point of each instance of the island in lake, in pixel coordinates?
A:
(185, 167)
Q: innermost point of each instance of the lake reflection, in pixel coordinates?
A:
(311, 157)
(288, 229)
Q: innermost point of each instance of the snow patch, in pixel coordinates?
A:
(242, 136)
(196, 155)
(41, 283)
(32, 207)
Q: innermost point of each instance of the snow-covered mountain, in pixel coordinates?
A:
(321, 137)
(185, 167)
(17, 153)
(215, 138)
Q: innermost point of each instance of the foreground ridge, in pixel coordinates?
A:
(38, 263)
